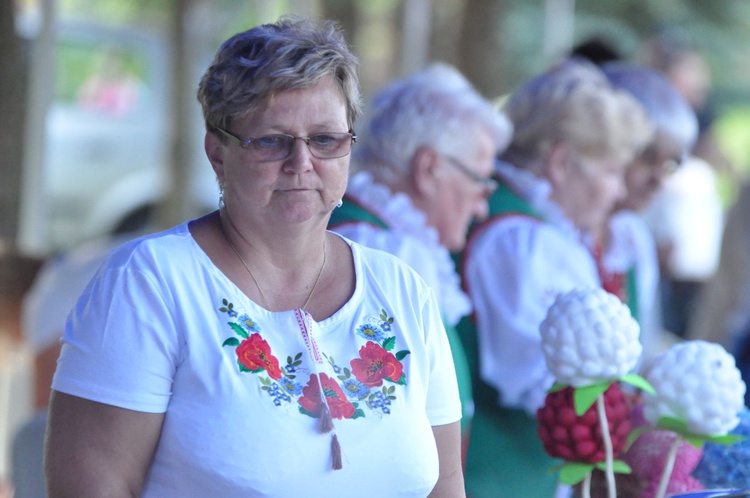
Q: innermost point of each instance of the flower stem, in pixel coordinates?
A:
(608, 452)
(586, 488)
(668, 466)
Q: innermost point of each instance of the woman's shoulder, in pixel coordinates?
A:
(167, 246)
(380, 263)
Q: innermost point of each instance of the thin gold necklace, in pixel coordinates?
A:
(249, 271)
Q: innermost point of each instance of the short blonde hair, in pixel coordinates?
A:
(573, 103)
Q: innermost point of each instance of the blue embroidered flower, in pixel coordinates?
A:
(370, 333)
(290, 386)
(355, 389)
(386, 326)
(248, 323)
(337, 369)
(290, 368)
(232, 313)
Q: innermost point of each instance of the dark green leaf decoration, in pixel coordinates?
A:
(585, 397)
(727, 439)
(238, 330)
(389, 343)
(571, 473)
(232, 341)
(556, 387)
(402, 354)
(358, 413)
(639, 382)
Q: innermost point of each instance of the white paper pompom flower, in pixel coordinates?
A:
(589, 337)
(696, 382)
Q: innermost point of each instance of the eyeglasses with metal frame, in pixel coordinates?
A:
(279, 146)
(488, 184)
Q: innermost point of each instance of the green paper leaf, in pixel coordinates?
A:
(556, 387)
(618, 467)
(727, 439)
(696, 441)
(571, 473)
(673, 424)
(639, 382)
(585, 397)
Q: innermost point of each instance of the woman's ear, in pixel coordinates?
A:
(559, 163)
(215, 153)
(424, 171)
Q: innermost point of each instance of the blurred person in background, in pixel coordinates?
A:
(423, 165)
(251, 352)
(46, 306)
(560, 177)
(17, 273)
(687, 215)
(625, 251)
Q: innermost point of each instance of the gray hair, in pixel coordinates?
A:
(436, 107)
(291, 54)
(672, 116)
(574, 103)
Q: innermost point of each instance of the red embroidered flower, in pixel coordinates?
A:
(338, 405)
(375, 364)
(254, 353)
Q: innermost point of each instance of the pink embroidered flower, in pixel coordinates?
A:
(375, 364)
(312, 403)
(254, 353)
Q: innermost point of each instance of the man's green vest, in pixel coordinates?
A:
(352, 212)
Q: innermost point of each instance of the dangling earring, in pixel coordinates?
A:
(340, 203)
(221, 196)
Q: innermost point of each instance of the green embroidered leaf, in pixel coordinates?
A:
(341, 377)
(383, 315)
(243, 368)
(391, 397)
(238, 330)
(298, 356)
(358, 413)
(290, 376)
(264, 380)
(264, 388)
(639, 382)
(402, 354)
(389, 343)
(232, 341)
(223, 309)
(305, 412)
(402, 380)
(572, 473)
(585, 397)
(224, 302)
(389, 390)
(347, 372)
(390, 320)
(556, 387)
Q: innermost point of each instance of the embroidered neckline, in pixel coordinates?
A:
(399, 213)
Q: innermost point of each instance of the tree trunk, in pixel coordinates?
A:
(13, 82)
(481, 56)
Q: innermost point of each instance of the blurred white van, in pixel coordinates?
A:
(107, 135)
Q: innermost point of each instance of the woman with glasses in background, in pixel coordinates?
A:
(574, 135)
(251, 352)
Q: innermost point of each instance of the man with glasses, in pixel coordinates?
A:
(424, 166)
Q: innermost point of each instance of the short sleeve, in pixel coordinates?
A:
(120, 344)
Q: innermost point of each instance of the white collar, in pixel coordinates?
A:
(397, 211)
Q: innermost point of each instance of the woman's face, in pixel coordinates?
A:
(298, 188)
(590, 189)
(645, 175)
